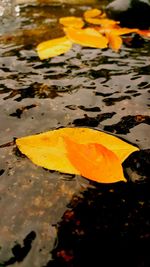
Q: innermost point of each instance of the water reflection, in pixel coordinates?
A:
(9, 11)
(101, 227)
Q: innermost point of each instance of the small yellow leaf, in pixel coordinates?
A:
(95, 21)
(95, 162)
(54, 47)
(87, 37)
(103, 22)
(91, 13)
(74, 22)
(115, 41)
(49, 149)
(122, 31)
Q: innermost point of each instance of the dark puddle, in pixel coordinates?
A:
(53, 219)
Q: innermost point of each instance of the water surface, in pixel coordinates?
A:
(53, 219)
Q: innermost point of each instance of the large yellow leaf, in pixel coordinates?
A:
(74, 22)
(95, 162)
(87, 37)
(54, 47)
(49, 149)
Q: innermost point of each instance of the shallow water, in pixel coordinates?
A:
(53, 219)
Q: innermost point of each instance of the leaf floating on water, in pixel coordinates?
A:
(50, 149)
(47, 150)
(97, 17)
(87, 37)
(74, 22)
(103, 22)
(95, 162)
(145, 33)
(91, 13)
(115, 41)
(98, 35)
(123, 31)
(54, 47)
(94, 21)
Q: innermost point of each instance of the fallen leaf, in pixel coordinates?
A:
(102, 32)
(49, 149)
(91, 13)
(103, 22)
(123, 31)
(95, 162)
(145, 33)
(54, 47)
(115, 41)
(87, 37)
(74, 22)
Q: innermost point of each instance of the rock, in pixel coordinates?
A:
(130, 13)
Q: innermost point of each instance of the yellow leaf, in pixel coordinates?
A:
(115, 41)
(91, 13)
(95, 162)
(74, 22)
(49, 149)
(87, 37)
(103, 22)
(54, 47)
(95, 21)
(122, 31)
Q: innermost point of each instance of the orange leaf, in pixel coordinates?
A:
(87, 37)
(91, 13)
(74, 22)
(115, 41)
(122, 31)
(145, 33)
(94, 161)
(49, 149)
(103, 22)
(115, 29)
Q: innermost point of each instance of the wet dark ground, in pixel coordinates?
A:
(53, 219)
